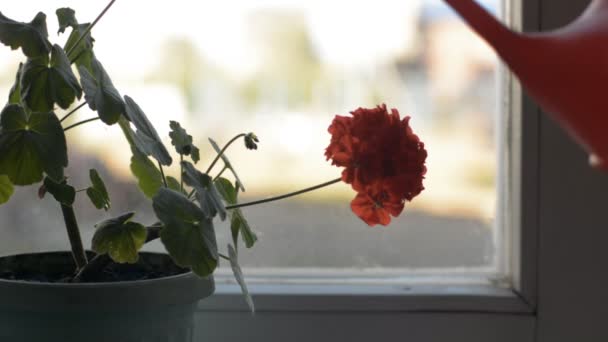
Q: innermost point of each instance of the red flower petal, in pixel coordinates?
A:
(383, 160)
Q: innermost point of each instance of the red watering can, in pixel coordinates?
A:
(565, 71)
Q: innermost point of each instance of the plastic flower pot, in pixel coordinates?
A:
(153, 310)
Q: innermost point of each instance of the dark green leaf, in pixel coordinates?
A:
(238, 225)
(226, 189)
(82, 55)
(188, 235)
(100, 93)
(6, 189)
(238, 275)
(148, 176)
(62, 192)
(31, 146)
(183, 141)
(67, 18)
(195, 154)
(207, 195)
(30, 37)
(180, 138)
(14, 96)
(227, 163)
(97, 192)
(42, 85)
(120, 238)
(146, 138)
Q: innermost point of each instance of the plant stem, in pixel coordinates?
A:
(223, 256)
(73, 60)
(71, 226)
(162, 173)
(276, 198)
(88, 30)
(220, 174)
(73, 111)
(191, 193)
(80, 123)
(181, 172)
(223, 150)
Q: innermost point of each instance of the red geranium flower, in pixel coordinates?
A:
(376, 205)
(378, 151)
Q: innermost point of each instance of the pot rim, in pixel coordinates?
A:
(108, 284)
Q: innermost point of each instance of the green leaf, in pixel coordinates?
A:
(120, 238)
(183, 141)
(238, 224)
(207, 195)
(195, 154)
(67, 18)
(146, 138)
(42, 85)
(97, 192)
(82, 55)
(14, 95)
(149, 178)
(188, 235)
(100, 93)
(238, 275)
(30, 37)
(62, 192)
(226, 189)
(31, 146)
(174, 184)
(227, 163)
(6, 189)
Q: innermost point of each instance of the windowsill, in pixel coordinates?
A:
(418, 298)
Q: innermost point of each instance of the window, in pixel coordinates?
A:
(306, 61)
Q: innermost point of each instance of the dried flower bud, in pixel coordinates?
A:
(250, 141)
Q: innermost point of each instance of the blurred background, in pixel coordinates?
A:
(283, 69)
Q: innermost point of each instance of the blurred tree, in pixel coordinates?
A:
(289, 65)
(182, 65)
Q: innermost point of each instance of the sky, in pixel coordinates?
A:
(347, 35)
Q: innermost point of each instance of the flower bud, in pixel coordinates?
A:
(250, 141)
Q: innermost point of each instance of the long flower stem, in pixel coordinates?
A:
(276, 198)
(88, 30)
(223, 150)
(73, 111)
(80, 123)
(71, 226)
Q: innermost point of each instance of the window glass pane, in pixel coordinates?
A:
(283, 69)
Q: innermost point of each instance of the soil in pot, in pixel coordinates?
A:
(57, 267)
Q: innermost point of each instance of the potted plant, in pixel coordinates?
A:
(115, 292)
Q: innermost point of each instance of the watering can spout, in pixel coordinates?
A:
(500, 37)
(564, 70)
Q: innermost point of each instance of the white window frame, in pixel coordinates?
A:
(558, 237)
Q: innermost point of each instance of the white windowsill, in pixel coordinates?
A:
(369, 298)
